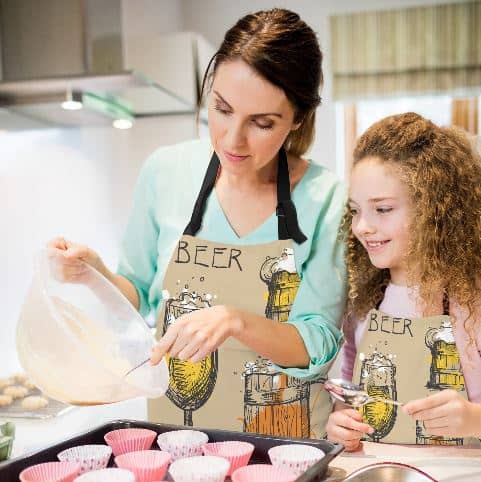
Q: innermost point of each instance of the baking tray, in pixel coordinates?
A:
(53, 409)
(10, 469)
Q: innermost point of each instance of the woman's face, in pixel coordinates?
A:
(249, 118)
(381, 214)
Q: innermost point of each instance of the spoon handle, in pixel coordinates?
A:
(385, 400)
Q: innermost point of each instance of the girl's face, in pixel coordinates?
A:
(249, 118)
(381, 214)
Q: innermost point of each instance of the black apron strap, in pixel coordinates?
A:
(206, 188)
(287, 225)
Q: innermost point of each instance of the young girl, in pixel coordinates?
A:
(413, 229)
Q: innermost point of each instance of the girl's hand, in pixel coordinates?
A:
(346, 426)
(70, 259)
(446, 414)
(196, 335)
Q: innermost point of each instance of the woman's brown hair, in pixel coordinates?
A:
(284, 50)
(442, 172)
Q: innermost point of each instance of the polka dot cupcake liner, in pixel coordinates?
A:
(296, 457)
(90, 457)
(205, 468)
(182, 443)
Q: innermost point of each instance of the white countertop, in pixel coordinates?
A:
(453, 464)
(33, 434)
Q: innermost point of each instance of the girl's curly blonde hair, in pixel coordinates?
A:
(442, 172)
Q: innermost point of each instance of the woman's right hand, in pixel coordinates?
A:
(346, 426)
(72, 257)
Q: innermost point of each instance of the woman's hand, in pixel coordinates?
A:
(346, 426)
(447, 414)
(195, 335)
(70, 259)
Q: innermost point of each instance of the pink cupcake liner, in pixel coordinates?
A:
(107, 475)
(263, 473)
(127, 440)
(147, 465)
(51, 472)
(90, 457)
(237, 453)
(182, 443)
(205, 468)
(297, 457)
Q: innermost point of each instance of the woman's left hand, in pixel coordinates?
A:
(195, 335)
(446, 414)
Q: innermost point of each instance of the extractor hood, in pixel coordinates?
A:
(54, 51)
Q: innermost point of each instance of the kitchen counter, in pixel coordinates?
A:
(32, 434)
(442, 463)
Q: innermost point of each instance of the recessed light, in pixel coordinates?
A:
(122, 123)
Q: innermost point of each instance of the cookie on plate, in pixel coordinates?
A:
(5, 400)
(34, 402)
(15, 391)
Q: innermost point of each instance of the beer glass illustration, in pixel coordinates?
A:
(282, 281)
(191, 384)
(378, 379)
(444, 372)
(274, 404)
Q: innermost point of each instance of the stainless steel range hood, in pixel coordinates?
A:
(54, 50)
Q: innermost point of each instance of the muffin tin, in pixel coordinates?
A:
(10, 470)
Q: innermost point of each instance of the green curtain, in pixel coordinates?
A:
(408, 51)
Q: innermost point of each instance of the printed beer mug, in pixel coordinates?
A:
(275, 403)
(445, 372)
(283, 281)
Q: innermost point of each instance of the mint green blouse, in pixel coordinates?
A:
(164, 198)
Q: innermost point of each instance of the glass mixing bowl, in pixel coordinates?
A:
(80, 341)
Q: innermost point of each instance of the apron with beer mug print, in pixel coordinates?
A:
(234, 388)
(405, 359)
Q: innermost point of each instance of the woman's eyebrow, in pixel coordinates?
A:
(261, 114)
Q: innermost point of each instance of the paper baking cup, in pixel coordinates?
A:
(182, 443)
(237, 453)
(51, 472)
(263, 473)
(90, 457)
(147, 465)
(107, 475)
(199, 469)
(126, 440)
(297, 457)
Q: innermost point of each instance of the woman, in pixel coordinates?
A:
(221, 269)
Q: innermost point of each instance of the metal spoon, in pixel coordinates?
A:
(351, 394)
(135, 367)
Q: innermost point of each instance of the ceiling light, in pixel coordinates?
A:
(122, 123)
(73, 100)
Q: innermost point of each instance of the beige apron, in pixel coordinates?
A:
(233, 388)
(405, 359)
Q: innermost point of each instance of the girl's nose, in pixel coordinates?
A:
(363, 226)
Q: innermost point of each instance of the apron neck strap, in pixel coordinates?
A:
(445, 303)
(287, 224)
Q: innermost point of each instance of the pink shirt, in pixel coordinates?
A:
(401, 301)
